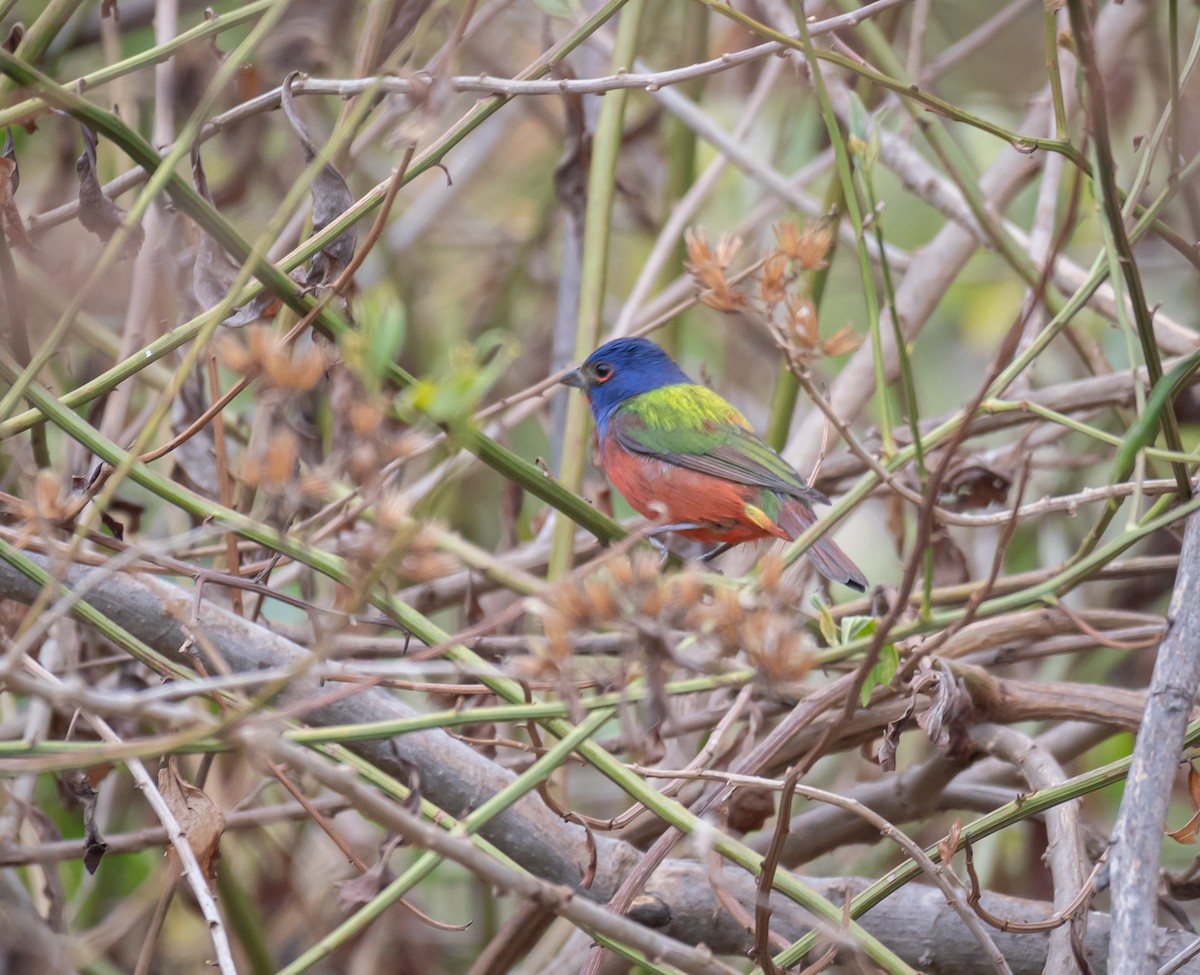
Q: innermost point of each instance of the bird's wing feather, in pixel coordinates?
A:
(693, 427)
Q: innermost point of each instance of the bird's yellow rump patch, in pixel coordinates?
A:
(761, 518)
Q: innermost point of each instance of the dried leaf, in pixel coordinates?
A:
(891, 738)
(194, 458)
(948, 844)
(15, 35)
(331, 198)
(10, 178)
(96, 211)
(749, 808)
(361, 890)
(949, 563)
(114, 526)
(214, 271)
(1187, 833)
(947, 719)
(973, 485)
(354, 893)
(77, 788)
(198, 816)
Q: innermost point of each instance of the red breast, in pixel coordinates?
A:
(658, 489)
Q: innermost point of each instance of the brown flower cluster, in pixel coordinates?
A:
(396, 549)
(710, 269)
(632, 591)
(776, 290)
(264, 355)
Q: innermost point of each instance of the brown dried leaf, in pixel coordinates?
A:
(974, 485)
(214, 271)
(948, 717)
(948, 844)
(194, 458)
(749, 808)
(77, 788)
(949, 563)
(10, 178)
(96, 211)
(198, 816)
(56, 502)
(1187, 833)
(354, 893)
(331, 198)
(891, 738)
(14, 38)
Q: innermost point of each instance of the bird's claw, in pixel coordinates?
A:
(663, 552)
(652, 537)
(715, 553)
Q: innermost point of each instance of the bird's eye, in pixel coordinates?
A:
(603, 372)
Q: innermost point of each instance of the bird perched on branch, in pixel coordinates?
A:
(677, 450)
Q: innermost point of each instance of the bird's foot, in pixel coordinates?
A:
(679, 526)
(716, 552)
(664, 551)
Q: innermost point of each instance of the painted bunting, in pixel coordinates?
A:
(677, 449)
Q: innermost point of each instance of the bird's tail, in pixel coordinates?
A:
(794, 517)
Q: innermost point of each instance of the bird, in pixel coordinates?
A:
(677, 450)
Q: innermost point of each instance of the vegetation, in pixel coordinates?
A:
(327, 648)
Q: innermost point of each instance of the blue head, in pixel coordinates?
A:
(620, 369)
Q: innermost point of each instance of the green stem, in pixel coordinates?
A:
(21, 111)
(1020, 809)
(787, 385)
(1050, 21)
(850, 196)
(425, 864)
(424, 629)
(1107, 182)
(606, 146)
(907, 92)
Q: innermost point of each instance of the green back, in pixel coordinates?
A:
(693, 427)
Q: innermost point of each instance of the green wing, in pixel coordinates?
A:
(693, 427)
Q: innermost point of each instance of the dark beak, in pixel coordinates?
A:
(574, 378)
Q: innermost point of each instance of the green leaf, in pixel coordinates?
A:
(857, 123)
(371, 351)
(1145, 428)
(884, 670)
(854, 627)
(452, 397)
